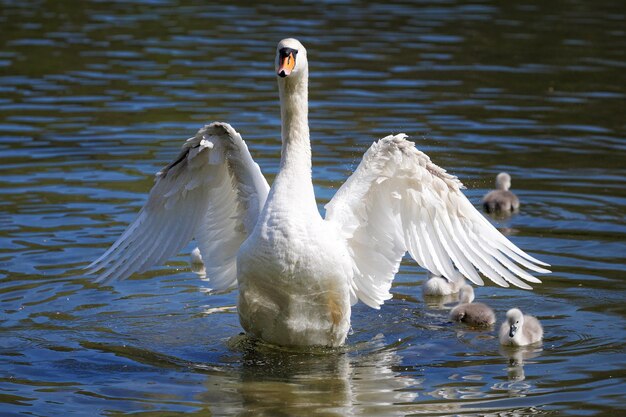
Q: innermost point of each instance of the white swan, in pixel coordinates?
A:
(298, 273)
(520, 329)
(501, 199)
(474, 314)
(437, 285)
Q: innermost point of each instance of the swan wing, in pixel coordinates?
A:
(396, 201)
(213, 192)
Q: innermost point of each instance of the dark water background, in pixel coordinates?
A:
(96, 96)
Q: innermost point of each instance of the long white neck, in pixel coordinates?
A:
(294, 111)
(293, 188)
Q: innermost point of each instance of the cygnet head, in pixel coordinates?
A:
(515, 319)
(503, 181)
(466, 295)
(291, 60)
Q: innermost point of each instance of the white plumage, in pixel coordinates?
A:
(520, 329)
(298, 273)
(213, 192)
(438, 286)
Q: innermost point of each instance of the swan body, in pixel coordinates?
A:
(468, 312)
(520, 329)
(437, 285)
(501, 199)
(298, 274)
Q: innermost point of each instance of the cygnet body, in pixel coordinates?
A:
(501, 199)
(197, 264)
(439, 286)
(474, 314)
(196, 257)
(520, 329)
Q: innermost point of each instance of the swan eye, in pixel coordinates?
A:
(284, 52)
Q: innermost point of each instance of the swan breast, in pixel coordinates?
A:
(293, 286)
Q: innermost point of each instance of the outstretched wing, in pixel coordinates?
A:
(212, 191)
(396, 201)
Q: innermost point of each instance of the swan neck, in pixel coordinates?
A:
(294, 111)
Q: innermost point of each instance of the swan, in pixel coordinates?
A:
(299, 274)
(439, 286)
(501, 199)
(474, 314)
(520, 329)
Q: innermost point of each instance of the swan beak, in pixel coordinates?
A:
(513, 330)
(286, 63)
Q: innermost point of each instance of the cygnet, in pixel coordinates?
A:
(196, 257)
(520, 329)
(501, 199)
(438, 286)
(474, 314)
(197, 264)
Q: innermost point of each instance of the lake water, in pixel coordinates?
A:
(96, 96)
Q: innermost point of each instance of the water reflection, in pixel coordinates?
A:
(278, 382)
(518, 357)
(441, 302)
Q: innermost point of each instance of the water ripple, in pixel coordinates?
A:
(95, 99)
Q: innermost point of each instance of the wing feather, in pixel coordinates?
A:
(212, 191)
(459, 258)
(396, 201)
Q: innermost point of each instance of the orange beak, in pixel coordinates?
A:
(285, 65)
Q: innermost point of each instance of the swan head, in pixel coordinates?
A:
(466, 294)
(515, 319)
(503, 181)
(291, 60)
